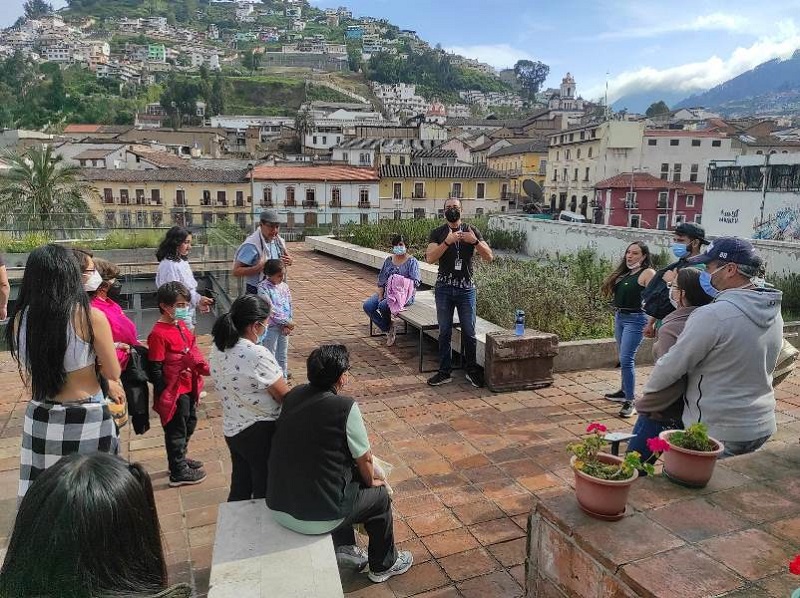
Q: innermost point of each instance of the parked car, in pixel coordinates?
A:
(567, 216)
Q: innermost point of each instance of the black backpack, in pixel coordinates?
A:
(655, 296)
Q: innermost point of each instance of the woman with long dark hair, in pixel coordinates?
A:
(61, 346)
(624, 286)
(87, 527)
(173, 265)
(252, 386)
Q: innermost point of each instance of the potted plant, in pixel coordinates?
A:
(603, 481)
(691, 455)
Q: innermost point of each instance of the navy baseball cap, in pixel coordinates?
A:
(729, 249)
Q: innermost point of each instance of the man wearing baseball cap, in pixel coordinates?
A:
(263, 244)
(728, 350)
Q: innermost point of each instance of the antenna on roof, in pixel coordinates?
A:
(606, 109)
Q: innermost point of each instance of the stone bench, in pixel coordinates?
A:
(254, 557)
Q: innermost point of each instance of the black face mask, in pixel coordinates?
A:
(115, 290)
(452, 214)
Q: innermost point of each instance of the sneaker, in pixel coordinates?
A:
(615, 396)
(475, 378)
(351, 556)
(439, 378)
(403, 563)
(627, 410)
(193, 463)
(391, 336)
(187, 477)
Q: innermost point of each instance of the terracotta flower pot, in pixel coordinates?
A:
(602, 499)
(687, 467)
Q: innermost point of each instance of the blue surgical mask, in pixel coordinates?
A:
(679, 250)
(399, 250)
(262, 337)
(705, 283)
(183, 313)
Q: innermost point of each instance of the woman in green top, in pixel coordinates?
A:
(624, 285)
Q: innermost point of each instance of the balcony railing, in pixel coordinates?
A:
(631, 204)
(364, 204)
(422, 195)
(206, 201)
(179, 202)
(155, 202)
(310, 203)
(335, 203)
(221, 203)
(110, 200)
(140, 200)
(267, 203)
(289, 203)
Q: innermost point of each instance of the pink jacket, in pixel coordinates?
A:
(399, 290)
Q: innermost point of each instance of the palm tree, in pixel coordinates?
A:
(303, 124)
(40, 192)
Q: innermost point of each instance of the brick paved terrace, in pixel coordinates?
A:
(469, 464)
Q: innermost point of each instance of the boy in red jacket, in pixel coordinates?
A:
(178, 368)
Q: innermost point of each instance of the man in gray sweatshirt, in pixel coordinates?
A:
(728, 350)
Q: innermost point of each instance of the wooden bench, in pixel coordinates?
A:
(422, 316)
(254, 557)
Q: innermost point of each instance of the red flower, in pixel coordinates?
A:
(596, 427)
(794, 565)
(657, 445)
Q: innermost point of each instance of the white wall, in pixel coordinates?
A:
(350, 194)
(550, 237)
(684, 154)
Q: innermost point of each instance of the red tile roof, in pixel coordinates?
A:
(82, 128)
(315, 173)
(642, 181)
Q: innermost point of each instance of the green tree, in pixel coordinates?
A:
(531, 75)
(303, 125)
(36, 9)
(40, 192)
(354, 58)
(219, 91)
(179, 100)
(57, 94)
(251, 60)
(659, 108)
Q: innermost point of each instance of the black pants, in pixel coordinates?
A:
(249, 459)
(374, 509)
(251, 289)
(178, 431)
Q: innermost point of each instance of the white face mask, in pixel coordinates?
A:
(675, 303)
(94, 282)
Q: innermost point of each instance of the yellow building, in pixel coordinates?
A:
(520, 162)
(164, 197)
(421, 190)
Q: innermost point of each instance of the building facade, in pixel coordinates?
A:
(754, 196)
(313, 196)
(641, 200)
(420, 190)
(521, 162)
(180, 196)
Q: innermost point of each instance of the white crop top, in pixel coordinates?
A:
(79, 353)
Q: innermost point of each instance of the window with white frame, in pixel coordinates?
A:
(680, 219)
(661, 224)
(693, 173)
(480, 190)
(698, 218)
(634, 221)
(663, 199)
(419, 190)
(630, 199)
(690, 201)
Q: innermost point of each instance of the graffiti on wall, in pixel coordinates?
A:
(784, 225)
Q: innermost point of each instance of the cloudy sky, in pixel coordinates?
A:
(677, 45)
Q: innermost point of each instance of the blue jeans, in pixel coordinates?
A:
(378, 312)
(646, 428)
(278, 344)
(733, 448)
(449, 298)
(628, 331)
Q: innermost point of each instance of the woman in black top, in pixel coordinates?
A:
(625, 285)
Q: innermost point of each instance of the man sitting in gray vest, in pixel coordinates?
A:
(728, 350)
(321, 478)
(263, 244)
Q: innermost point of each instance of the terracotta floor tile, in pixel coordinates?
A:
(498, 585)
(471, 563)
(476, 512)
(765, 554)
(497, 530)
(433, 523)
(509, 553)
(450, 542)
(418, 579)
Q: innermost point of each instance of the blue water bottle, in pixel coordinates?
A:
(520, 323)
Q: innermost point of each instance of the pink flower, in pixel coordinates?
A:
(596, 427)
(794, 565)
(657, 445)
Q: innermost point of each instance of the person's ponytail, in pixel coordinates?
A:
(225, 333)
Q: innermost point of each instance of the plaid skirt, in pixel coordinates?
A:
(53, 430)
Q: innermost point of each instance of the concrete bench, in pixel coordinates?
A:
(422, 316)
(254, 557)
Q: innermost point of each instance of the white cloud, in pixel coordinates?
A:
(711, 22)
(500, 56)
(700, 76)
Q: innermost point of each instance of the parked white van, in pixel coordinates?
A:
(567, 216)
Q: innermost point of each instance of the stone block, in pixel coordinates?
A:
(519, 362)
